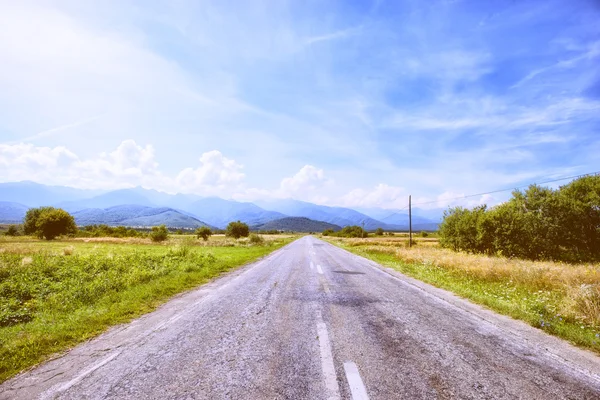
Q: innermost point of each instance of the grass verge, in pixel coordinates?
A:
(54, 295)
(561, 299)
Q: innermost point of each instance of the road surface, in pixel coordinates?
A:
(312, 321)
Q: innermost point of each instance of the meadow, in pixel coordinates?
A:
(55, 294)
(561, 299)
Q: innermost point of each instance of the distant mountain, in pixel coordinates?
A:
(162, 199)
(106, 200)
(433, 214)
(210, 210)
(35, 194)
(135, 215)
(296, 224)
(12, 213)
(219, 212)
(398, 219)
(333, 215)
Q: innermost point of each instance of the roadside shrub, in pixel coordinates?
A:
(537, 224)
(203, 232)
(256, 239)
(103, 230)
(353, 232)
(424, 234)
(12, 230)
(159, 233)
(379, 231)
(48, 222)
(328, 232)
(180, 251)
(237, 230)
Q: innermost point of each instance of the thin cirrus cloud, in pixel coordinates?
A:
(353, 104)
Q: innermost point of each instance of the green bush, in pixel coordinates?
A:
(353, 231)
(103, 230)
(159, 233)
(256, 239)
(203, 232)
(237, 230)
(48, 222)
(328, 232)
(12, 230)
(537, 224)
(379, 231)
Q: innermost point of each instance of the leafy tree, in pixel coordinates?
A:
(13, 230)
(328, 232)
(48, 222)
(353, 231)
(538, 223)
(237, 230)
(578, 211)
(159, 233)
(459, 229)
(379, 231)
(203, 232)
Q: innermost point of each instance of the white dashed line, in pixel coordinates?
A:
(331, 383)
(357, 387)
(319, 269)
(312, 266)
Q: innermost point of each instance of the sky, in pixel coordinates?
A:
(349, 103)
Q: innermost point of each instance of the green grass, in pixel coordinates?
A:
(50, 301)
(541, 307)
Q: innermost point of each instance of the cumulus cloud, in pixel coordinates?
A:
(128, 165)
(19, 160)
(309, 183)
(216, 172)
(309, 178)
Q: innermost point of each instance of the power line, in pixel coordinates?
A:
(494, 191)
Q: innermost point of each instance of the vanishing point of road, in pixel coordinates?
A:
(312, 321)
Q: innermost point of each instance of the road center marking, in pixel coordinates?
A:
(357, 387)
(329, 375)
(319, 269)
(312, 266)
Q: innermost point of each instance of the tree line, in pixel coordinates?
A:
(49, 223)
(539, 223)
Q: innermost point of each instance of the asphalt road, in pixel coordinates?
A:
(312, 321)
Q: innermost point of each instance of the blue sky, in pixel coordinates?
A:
(337, 102)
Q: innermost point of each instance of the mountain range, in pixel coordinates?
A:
(143, 207)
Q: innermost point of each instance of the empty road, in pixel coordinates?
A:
(312, 321)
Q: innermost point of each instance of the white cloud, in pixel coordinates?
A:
(128, 165)
(19, 159)
(309, 183)
(216, 173)
(308, 179)
(131, 156)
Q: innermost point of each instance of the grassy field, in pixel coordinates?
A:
(56, 294)
(561, 299)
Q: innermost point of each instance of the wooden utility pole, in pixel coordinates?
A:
(409, 222)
